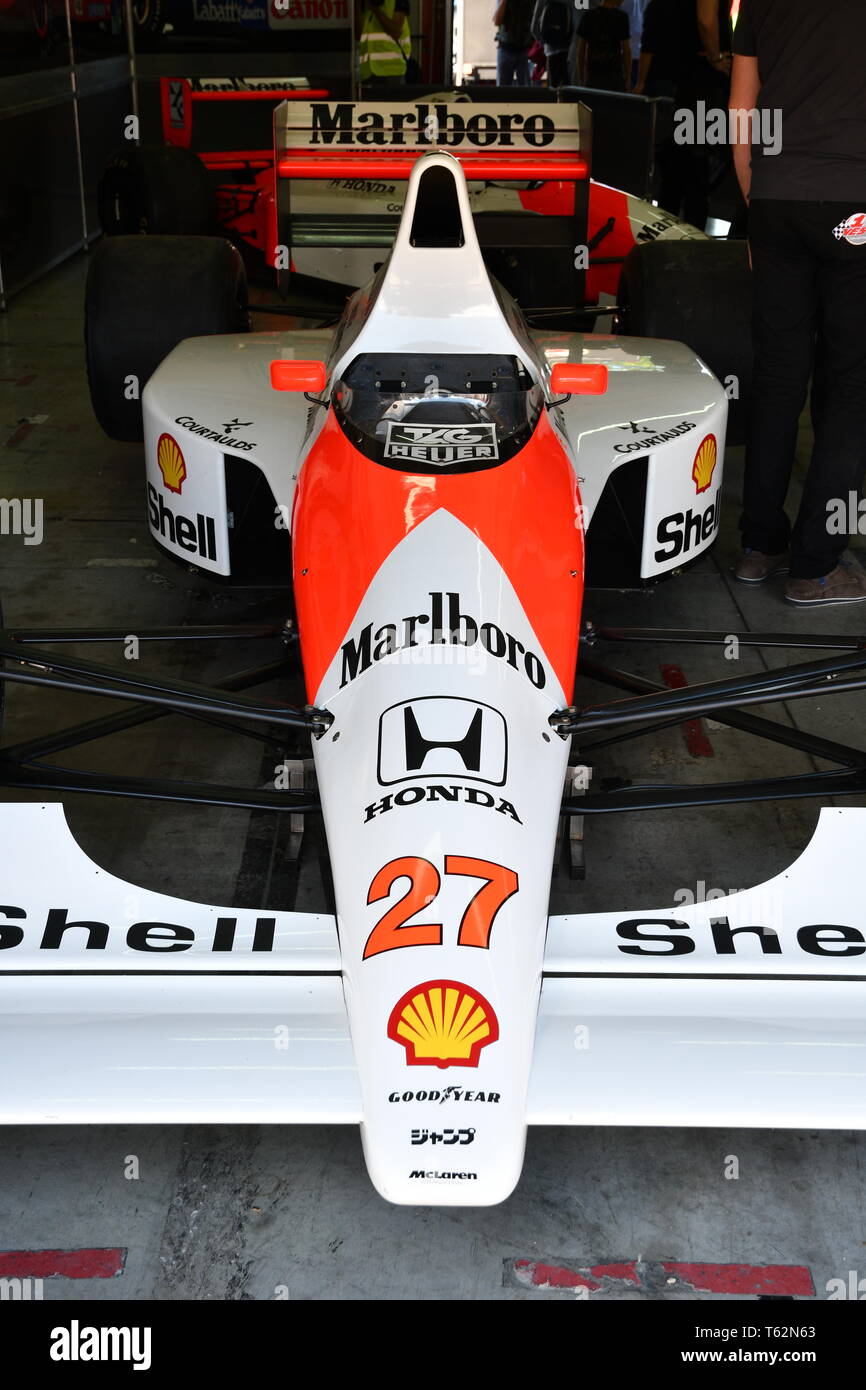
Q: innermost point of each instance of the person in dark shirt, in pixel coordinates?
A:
(668, 45)
(706, 87)
(603, 50)
(685, 55)
(807, 237)
(684, 43)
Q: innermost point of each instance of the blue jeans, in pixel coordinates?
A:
(512, 67)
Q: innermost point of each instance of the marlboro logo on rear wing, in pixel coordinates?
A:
(343, 139)
(494, 141)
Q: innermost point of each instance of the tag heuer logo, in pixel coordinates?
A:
(442, 444)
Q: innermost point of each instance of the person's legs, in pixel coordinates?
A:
(557, 69)
(505, 66)
(839, 393)
(521, 69)
(784, 320)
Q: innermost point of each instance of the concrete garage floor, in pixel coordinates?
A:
(239, 1212)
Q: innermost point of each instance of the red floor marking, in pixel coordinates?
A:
(19, 380)
(71, 1264)
(767, 1279)
(658, 1277)
(626, 1271)
(697, 741)
(542, 1276)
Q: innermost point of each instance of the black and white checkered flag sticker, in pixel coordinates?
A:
(853, 229)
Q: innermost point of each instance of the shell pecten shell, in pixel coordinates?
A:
(704, 465)
(171, 462)
(443, 1023)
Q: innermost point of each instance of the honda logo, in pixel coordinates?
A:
(442, 736)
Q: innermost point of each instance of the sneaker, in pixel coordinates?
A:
(755, 566)
(844, 584)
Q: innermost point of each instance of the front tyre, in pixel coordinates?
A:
(144, 295)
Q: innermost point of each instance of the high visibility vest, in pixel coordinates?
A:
(380, 55)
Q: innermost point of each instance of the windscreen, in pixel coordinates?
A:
(422, 414)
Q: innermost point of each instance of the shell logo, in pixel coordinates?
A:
(704, 465)
(172, 464)
(443, 1024)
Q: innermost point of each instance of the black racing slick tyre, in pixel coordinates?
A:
(157, 190)
(144, 295)
(698, 293)
(149, 16)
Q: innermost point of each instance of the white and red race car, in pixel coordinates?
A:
(438, 462)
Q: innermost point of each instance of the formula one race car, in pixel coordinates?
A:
(438, 462)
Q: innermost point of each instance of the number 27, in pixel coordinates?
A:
(392, 931)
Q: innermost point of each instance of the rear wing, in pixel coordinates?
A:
(496, 140)
(501, 141)
(221, 130)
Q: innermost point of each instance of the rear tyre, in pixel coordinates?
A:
(145, 295)
(149, 16)
(698, 293)
(156, 190)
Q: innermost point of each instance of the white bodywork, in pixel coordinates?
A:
(201, 387)
(662, 402)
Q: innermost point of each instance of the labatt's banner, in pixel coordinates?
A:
(309, 14)
(250, 14)
(340, 125)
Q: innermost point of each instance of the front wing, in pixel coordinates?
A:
(120, 1005)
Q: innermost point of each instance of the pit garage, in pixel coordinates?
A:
(226, 1079)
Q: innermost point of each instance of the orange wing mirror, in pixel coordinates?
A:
(290, 374)
(578, 379)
